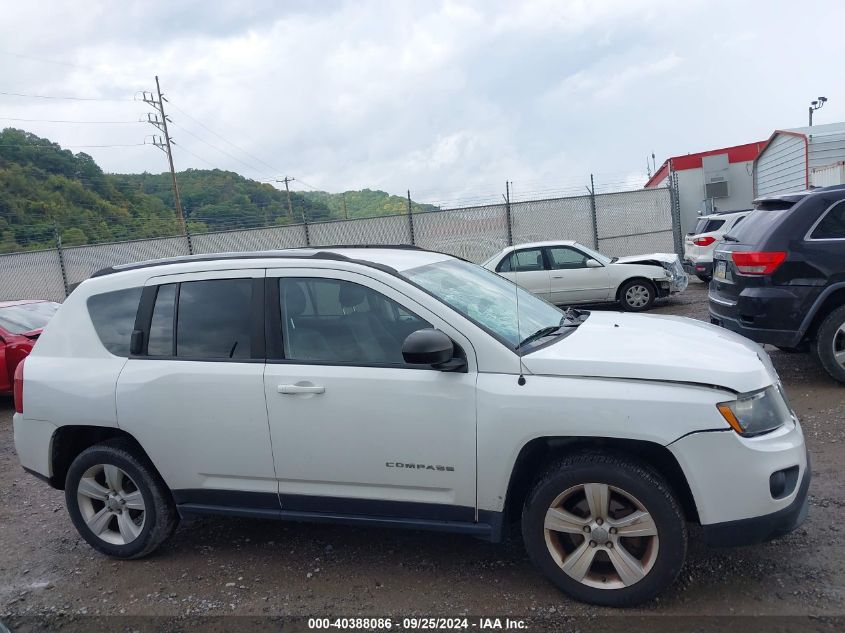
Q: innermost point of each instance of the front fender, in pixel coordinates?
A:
(510, 416)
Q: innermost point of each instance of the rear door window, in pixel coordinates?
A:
(210, 319)
(527, 260)
(213, 319)
(832, 224)
(113, 316)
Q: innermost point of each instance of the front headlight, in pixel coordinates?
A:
(756, 412)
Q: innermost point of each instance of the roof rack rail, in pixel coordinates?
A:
(319, 252)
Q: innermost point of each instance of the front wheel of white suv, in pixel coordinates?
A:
(118, 502)
(605, 530)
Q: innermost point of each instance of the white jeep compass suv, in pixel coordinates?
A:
(401, 387)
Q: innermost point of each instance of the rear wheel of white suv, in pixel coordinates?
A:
(117, 502)
(605, 530)
(830, 343)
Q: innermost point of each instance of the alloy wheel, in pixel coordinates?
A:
(601, 536)
(637, 296)
(111, 504)
(839, 345)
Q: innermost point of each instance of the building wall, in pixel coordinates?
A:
(691, 193)
(827, 148)
(781, 167)
(828, 175)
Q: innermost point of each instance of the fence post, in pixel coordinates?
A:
(411, 219)
(305, 226)
(508, 212)
(593, 213)
(189, 240)
(675, 201)
(61, 257)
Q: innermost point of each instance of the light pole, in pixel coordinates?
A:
(816, 105)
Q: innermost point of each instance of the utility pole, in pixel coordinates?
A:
(287, 189)
(345, 211)
(159, 120)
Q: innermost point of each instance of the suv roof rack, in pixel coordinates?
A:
(707, 215)
(317, 252)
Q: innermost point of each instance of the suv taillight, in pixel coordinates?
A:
(758, 263)
(17, 390)
(704, 241)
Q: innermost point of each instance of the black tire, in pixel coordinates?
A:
(830, 341)
(633, 478)
(645, 286)
(160, 517)
(704, 277)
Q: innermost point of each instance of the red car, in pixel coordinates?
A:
(20, 324)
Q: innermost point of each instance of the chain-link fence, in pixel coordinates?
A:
(622, 223)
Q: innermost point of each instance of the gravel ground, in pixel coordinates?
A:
(221, 566)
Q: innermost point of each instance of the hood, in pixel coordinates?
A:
(651, 259)
(656, 347)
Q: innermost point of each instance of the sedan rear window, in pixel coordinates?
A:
(27, 316)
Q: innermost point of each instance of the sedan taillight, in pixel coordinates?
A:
(704, 241)
(757, 263)
(17, 390)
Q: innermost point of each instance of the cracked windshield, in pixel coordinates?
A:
(487, 299)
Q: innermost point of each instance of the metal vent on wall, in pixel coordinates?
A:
(718, 189)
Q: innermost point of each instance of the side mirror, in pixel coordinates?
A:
(431, 347)
(591, 263)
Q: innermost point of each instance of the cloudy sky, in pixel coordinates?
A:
(449, 99)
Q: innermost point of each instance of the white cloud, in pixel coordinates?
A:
(445, 98)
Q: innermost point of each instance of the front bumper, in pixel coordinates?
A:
(764, 528)
(731, 480)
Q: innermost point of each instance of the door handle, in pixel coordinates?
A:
(293, 389)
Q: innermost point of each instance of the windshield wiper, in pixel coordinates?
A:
(730, 238)
(613, 260)
(546, 331)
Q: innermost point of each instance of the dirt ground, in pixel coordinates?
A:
(220, 566)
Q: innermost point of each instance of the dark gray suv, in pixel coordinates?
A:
(779, 277)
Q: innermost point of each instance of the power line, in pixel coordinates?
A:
(46, 61)
(222, 151)
(59, 149)
(31, 96)
(7, 118)
(186, 150)
(222, 138)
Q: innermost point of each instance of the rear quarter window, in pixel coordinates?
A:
(832, 224)
(113, 317)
